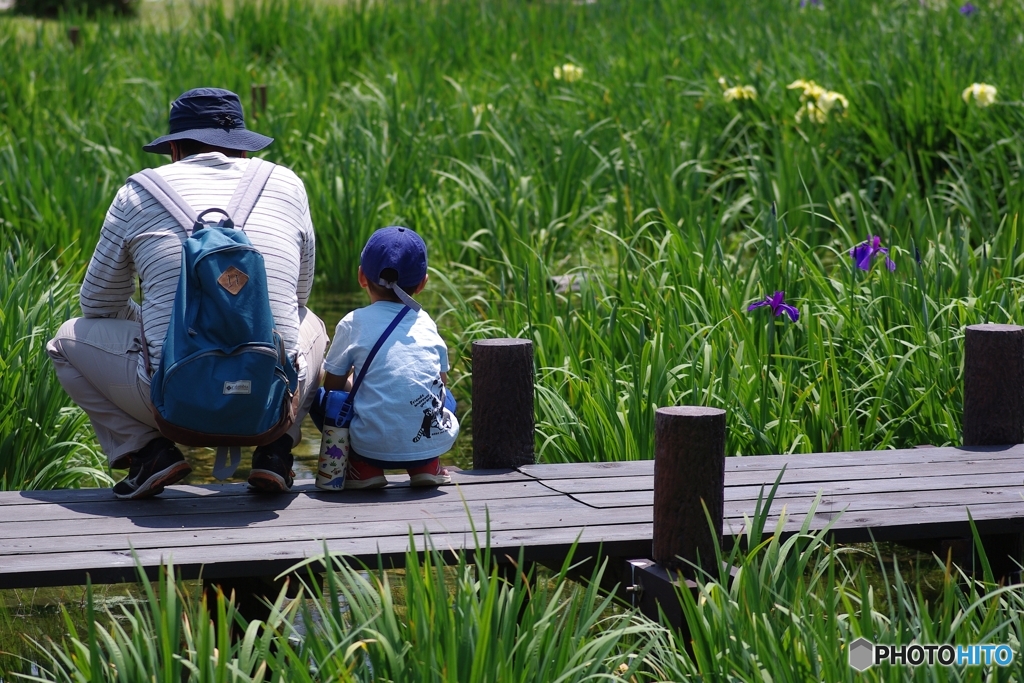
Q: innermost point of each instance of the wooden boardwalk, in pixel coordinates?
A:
(60, 537)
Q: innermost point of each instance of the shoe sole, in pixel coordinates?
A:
(266, 481)
(155, 485)
(424, 479)
(377, 482)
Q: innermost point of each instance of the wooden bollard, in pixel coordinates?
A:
(994, 416)
(74, 33)
(259, 98)
(502, 403)
(993, 385)
(689, 474)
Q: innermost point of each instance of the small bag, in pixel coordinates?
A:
(332, 413)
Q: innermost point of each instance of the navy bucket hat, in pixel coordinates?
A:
(212, 116)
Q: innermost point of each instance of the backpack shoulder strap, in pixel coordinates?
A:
(168, 197)
(255, 178)
(226, 462)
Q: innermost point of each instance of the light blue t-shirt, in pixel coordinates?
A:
(399, 411)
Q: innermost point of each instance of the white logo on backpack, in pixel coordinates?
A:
(241, 386)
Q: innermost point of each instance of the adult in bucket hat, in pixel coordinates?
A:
(101, 357)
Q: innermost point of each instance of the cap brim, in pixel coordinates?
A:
(241, 139)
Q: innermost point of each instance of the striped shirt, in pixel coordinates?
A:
(140, 238)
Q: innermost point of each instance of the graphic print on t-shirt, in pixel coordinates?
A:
(435, 419)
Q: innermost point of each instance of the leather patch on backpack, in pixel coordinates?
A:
(233, 280)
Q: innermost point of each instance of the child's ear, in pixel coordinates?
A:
(421, 285)
(363, 282)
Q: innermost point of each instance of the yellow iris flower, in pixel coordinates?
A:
(740, 92)
(816, 102)
(570, 73)
(982, 93)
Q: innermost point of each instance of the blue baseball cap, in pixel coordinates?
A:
(399, 249)
(212, 116)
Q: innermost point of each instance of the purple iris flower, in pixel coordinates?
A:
(865, 252)
(968, 9)
(777, 305)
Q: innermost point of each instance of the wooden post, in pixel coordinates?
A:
(994, 413)
(259, 98)
(74, 33)
(689, 474)
(993, 385)
(502, 403)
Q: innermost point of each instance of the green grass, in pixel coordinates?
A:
(639, 177)
(791, 608)
(642, 181)
(44, 441)
(787, 614)
(462, 623)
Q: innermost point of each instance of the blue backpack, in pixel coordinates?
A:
(224, 379)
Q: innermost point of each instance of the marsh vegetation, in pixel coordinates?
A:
(653, 159)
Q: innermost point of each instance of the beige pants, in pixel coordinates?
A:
(97, 363)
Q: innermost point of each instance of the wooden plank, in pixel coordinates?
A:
(767, 477)
(57, 568)
(375, 532)
(887, 501)
(262, 506)
(775, 462)
(895, 525)
(300, 513)
(49, 538)
(60, 496)
(200, 518)
(863, 473)
(582, 470)
(263, 558)
(878, 501)
(951, 484)
(884, 457)
(270, 558)
(370, 531)
(603, 484)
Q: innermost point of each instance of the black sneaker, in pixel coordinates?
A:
(157, 464)
(272, 467)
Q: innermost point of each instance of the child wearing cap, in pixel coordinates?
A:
(403, 415)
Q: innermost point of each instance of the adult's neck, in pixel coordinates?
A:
(179, 153)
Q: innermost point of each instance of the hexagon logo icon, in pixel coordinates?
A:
(861, 654)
